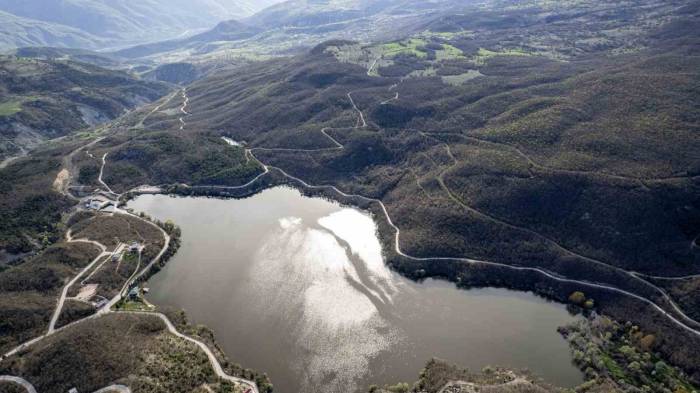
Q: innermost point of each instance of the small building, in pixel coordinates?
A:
(133, 294)
(134, 247)
(97, 203)
(101, 303)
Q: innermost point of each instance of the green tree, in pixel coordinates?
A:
(577, 298)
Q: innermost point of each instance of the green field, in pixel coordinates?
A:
(449, 52)
(9, 108)
(411, 47)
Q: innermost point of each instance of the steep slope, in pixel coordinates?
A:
(47, 99)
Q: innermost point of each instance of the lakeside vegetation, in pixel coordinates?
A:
(525, 165)
(440, 376)
(622, 356)
(166, 158)
(505, 154)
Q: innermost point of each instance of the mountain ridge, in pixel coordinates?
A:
(118, 23)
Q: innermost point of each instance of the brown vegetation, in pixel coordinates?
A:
(135, 350)
(28, 292)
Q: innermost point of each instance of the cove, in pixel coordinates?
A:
(296, 287)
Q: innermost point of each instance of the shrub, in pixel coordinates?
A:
(578, 298)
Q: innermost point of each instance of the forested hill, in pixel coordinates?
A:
(539, 144)
(40, 99)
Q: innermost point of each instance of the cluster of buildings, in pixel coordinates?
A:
(98, 203)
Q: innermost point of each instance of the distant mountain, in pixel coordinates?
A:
(18, 32)
(95, 23)
(223, 32)
(296, 25)
(315, 13)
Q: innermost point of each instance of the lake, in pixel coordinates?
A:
(296, 287)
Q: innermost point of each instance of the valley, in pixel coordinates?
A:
(491, 146)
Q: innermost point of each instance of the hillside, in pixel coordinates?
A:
(96, 24)
(531, 143)
(41, 100)
(552, 29)
(540, 146)
(19, 32)
(297, 25)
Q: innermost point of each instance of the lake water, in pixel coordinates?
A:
(296, 287)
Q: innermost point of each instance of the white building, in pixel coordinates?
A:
(97, 203)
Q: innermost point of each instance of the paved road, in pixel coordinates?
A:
(371, 67)
(394, 98)
(67, 164)
(99, 178)
(30, 388)
(361, 123)
(64, 292)
(218, 370)
(168, 98)
(19, 381)
(114, 388)
(9, 160)
(183, 108)
(135, 277)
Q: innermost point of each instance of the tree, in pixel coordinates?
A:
(647, 342)
(577, 298)
(401, 387)
(169, 226)
(634, 366)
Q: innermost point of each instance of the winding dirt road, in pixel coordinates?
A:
(30, 388)
(218, 370)
(114, 388)
(183, 108)
(361, 123)
(64, 292)
(107, 309)
(168, 98)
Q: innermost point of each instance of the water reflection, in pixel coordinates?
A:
(297, 287)
(327, 298)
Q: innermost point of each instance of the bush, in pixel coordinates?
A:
(578, 298)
